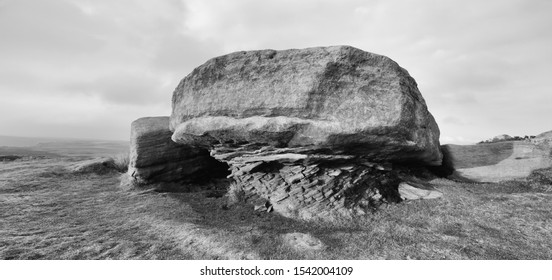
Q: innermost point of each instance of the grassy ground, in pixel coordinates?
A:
(48, 213)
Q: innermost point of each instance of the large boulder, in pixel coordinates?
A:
(494, 162)
(154, 157)
(309, 133)
(338, 99)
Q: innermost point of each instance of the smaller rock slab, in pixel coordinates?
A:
(409, 192)
(303, 242)
(154, 157)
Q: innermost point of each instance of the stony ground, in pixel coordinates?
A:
(46, 212)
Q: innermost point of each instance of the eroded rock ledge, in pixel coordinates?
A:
(299, 183)
(155, 158)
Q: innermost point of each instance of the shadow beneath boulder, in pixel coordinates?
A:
(446, 168)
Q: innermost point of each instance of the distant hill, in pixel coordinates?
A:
(60, 146)
(16, 141)
(547, 135)
(505, 138)
(544, 138)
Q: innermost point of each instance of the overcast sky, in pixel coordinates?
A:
(87, 68)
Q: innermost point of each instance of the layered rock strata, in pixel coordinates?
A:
(299, 184)
(154, 157)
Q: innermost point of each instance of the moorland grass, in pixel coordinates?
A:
(49, 213)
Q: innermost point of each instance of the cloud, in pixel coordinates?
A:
(180, 53)
(454, 121)
(482, 66)
(249, 24)
(86, 66)
(123, 88)
(48, 28)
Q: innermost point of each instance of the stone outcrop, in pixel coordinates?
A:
(154, 157)
(338, 99)
(303, 242)
(408, 191)
(306, 186)
(309, 133)
(494, 162)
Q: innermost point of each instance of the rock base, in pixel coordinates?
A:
(305, 184)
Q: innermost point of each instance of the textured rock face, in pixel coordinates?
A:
(303, 242)
(494, 162)
(338, 99)
(409, 192)
(306, 186)
(154, 157)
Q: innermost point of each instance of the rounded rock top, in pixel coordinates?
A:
(337, 98)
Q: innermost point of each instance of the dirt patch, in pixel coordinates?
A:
(303, 241)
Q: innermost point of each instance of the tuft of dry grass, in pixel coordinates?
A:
(49, 213)
(121, 162)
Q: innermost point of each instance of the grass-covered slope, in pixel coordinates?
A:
(494, 162)
(50, 213)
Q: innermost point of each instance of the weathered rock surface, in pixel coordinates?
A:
(494, 162)
(303, 242)
(154, 157)
(309, 133)
(306, 186)
(408, 191)
(339, 99)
